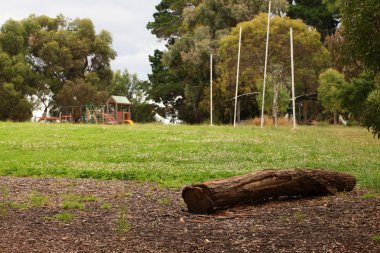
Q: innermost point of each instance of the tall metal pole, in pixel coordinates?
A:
(211, 123)
(237, 76)
(265, 67)
(292, 65)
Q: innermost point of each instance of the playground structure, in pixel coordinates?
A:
(116, 111)
(119, 108)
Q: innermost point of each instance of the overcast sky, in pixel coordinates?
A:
(124, 19)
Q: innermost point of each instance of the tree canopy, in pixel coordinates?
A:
(59, 61)
(355, 93)
(361, 23)
(361, 32)
(371, 113)
(43, 57)
(201, 26)
(168, 19)
(310, 58)
(165, 90)
(332, 83)
(316, 13)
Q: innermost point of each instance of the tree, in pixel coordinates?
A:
(167, 19)
(80, 92)
(333, 6)
(12, 37)
(46, 53)
(129, 85)
(354, 95)
(221, 15)
(188, 59)
(122, 83)
(143, 112)
(315, 13)
(341, 56)
(371, 113)
(13, 105)
(165, 90)
(202, 25)
(362, 99)
(361, 22)
(274, 103)
(329, 92)
(15, 80)
(310, 58)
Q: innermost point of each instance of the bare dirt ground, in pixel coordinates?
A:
(117, 216)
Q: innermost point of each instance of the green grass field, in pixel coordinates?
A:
(177, 155)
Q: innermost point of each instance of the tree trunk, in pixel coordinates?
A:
(255, 187)
(334, 115)
(305, 112)
(44, 113)
(275, 104)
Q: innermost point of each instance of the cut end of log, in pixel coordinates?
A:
(197, 200)
(210, 196)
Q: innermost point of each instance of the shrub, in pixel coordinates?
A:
(371, 115)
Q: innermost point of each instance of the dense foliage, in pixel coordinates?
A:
(58, 61)
(167, 19)
(371, 118)
(55, 60)
(13, 106)
(194, 29)
(165, 89)
(200, 26)
(361, 24)
(310, 58)
(332, 83)
(314, 13)
(355, 93)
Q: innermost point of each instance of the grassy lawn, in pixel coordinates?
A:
(177, 155)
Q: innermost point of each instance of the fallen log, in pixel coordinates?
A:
(262, 185)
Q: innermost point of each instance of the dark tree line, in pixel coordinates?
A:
(194, 29)
(57, 61)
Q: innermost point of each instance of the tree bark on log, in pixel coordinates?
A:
(262, 185)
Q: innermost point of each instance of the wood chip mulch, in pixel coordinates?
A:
(124, 216)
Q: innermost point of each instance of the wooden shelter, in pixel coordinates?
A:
(120, 108)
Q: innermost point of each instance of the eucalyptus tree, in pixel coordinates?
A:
(47, 53)
(201, 24)
(332, 84)
(309, 54)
